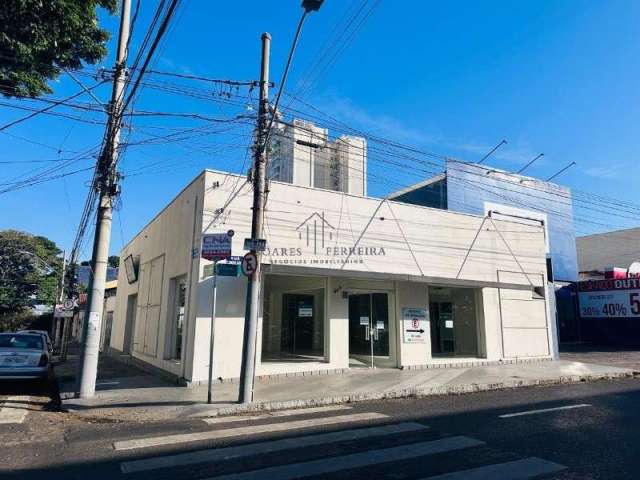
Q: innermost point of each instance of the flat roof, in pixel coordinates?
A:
(418, 185)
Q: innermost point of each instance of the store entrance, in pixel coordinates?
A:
(454, 323)
(297, 324)
(369, 330)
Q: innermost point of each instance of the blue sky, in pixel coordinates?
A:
(453, 78)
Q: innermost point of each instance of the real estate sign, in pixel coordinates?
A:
(610, 298)
(216, 246)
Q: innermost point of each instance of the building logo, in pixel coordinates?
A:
(317, 243)
(315, 229)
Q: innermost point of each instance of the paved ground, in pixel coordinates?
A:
(590, 433)
(137, 395)
(601, 355)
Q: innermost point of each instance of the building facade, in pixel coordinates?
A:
(349, 282)
(479, 189)
(608, 254)
(303, 154)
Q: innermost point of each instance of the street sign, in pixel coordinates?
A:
(61, 312)
(216, 246)
(414, 322)
(249, 264)
(69, 304)
(207, 271)
(228, 269)
(259, 244)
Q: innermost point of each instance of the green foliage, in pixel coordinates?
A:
(10, 322)
(38, 38)
(30, 269)
(114, 261)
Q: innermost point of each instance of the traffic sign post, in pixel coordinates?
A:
(215, 247)
(249, 264)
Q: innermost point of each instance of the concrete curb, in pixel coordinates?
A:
(414, 392)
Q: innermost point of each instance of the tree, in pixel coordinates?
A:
(39, 38)
(114, 261)
(30, 269)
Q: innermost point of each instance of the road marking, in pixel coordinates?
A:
(544, 410)
(280, 413)
(228, 453)
(355, 460)
(104, 384)
(517, 470)
(12, 412)
(241, 431)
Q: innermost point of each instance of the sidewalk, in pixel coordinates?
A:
(126, 393)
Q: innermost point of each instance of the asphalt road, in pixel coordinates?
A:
(597, 437)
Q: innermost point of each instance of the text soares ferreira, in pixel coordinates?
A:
(329, 251)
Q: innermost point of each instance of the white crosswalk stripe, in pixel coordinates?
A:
(248, 430)
(272, 446)
(14, 409)
(408, 446)
(524, 469)
(278, 413)
(355, 460)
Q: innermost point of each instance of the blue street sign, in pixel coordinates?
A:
(228, 269)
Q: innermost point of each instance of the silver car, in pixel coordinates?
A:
(24, 356)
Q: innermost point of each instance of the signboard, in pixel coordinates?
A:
(249, 264)
(611, 298)
(131, 269)
(61, 312)
(207, 271)
(305, 311)
(228, 269)
(216, 246)
(259, 244)
(234, 259)
(414, 325)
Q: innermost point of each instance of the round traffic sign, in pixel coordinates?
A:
(69, 304)
(249, 264)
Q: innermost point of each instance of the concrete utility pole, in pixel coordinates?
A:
(247, 369)
(106, 185)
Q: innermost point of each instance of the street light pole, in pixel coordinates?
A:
(248, 365)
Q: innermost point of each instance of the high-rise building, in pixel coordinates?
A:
(302, 154)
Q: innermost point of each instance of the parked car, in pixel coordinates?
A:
(44, 333)
(24, 356)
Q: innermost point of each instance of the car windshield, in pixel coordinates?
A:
(21, 341)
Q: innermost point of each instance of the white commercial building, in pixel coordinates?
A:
(349, 282)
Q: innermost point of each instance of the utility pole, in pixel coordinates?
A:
(247, 369)
(59, 299)
(106, 185)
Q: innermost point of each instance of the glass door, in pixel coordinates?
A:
(369, 328)
(297, 324)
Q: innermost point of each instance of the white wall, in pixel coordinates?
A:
(417, 243)
(170, 237)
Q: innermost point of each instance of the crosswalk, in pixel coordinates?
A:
(358, 445)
